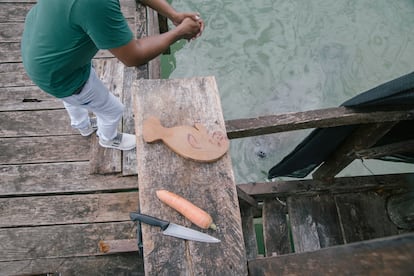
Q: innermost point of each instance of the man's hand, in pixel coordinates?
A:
(189, 28)
(179, 18)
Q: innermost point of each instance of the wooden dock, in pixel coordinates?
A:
(61, 195)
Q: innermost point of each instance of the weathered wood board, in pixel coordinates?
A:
(364, 216)
(386, 256)
(24, 150)
(105, 160)
(67, 209)
(210, 186)
(31, 243)
(122, 264)
(249, 233)
(27, 98)
(314, 221)
(55, 178)
(275, 227)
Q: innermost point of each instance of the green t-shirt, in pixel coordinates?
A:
(61, 37)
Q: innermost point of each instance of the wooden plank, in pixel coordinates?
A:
(14, 12)
(154, 66)
(105, 160)
(314, 222)
(328, 117)
(11, 32)
(129, 158)
(27, 98)
(363, 216)
(208, 185)
(73, 240)
(400, 210)
(363, 137)
(70, 209)
(44, 149)
(387, 256)
(386, 150)
(35, 123)
(246, 198)
(249, 233)
(340, 185)
(52, 178)
(10, 52)
(275, 228)
(120, 264)
(13, 74)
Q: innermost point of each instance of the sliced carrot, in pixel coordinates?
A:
(192, 212)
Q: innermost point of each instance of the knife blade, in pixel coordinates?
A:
(172, 229)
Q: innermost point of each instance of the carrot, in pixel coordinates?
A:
(193, 213)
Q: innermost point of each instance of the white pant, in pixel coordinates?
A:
(96, 98)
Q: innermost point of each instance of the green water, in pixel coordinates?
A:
(272, 57)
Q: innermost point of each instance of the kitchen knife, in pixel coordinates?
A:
(172, 229)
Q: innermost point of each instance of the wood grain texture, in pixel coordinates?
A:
(314, 221)
(56, 178)
(122, 264)
(129, 158)
(75, 240)
(27, 98)
(67, 209)
(339, 185)
(24, 150)
(209, 186)
(328, 117)
(104, 160)
(364, 216)
(35, 123)
(386, 256)
(249, 232)
(275, 228)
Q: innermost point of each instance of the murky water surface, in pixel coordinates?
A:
(277, 56)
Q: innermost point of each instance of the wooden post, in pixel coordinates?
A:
(208, 185)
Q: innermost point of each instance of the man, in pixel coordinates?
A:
(60, 39)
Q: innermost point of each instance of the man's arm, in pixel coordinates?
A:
(141, 51)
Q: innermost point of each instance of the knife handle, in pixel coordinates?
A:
(149, 220)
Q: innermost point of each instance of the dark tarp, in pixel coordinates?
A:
(321, 142)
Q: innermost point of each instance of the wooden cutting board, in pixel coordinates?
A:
(191, 142)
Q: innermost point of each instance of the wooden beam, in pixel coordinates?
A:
(363, 137)
(364, 216)
(339, 185)
(247, 213)
(314, 222)
(386, 256)
(386, 150)
(242, 195)
(208, 185)
(275, 227)
(328, 117)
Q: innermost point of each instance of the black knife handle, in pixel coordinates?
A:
(149, 220)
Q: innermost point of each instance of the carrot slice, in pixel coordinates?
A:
(192, 212)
